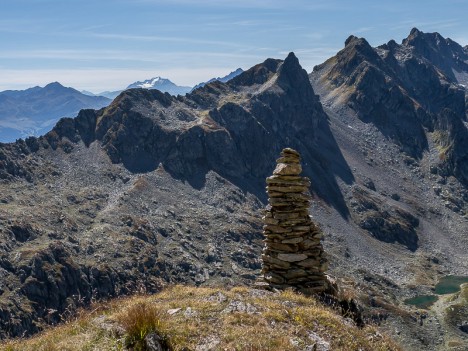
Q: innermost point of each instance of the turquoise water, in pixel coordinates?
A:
(450, 284)
(422, 301)
(447, 285)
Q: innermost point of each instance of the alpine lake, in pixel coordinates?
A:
(448, 284)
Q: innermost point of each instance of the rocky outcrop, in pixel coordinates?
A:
(293, 255)
(53, 284)
(384, 222)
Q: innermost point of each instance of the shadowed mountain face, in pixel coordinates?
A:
(122, 170)
(406, 91)
(36, 110)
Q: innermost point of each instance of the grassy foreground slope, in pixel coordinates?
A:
(190, 318)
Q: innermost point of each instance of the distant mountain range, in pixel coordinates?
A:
(35, 111)
(162, 84)
(166, 86)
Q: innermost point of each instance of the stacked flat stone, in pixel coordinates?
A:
(293, 255)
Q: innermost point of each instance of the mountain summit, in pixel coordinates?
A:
(406, 91)
(162, 84)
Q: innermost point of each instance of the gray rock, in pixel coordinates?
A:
(292, 257)
(153, 342)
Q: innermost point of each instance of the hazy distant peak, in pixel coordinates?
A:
(162, 84)
(224, 79)
(150, 83)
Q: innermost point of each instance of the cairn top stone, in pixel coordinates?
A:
(290, 152)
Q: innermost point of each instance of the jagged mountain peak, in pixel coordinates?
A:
(415, 32)
(425, 42)
(291, 76)
(291, 63)
(350, 39)
(417, 35)
(355, 45)
(356, 56)
(444, 53)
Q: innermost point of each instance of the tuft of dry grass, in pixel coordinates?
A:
(191, 318)
(139, 320)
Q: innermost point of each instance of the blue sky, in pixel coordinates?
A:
(107, 44)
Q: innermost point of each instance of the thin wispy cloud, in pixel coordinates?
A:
(261, 4)
(157, 58)
(155, 38)
(363, 30)
(310, 57)
(440, 24)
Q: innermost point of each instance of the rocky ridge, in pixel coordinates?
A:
(407, 93)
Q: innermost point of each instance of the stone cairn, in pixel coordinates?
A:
(293, 256)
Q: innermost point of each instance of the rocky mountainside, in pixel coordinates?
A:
(35, 111)
(405, 95)
(400, 121)
(221, 79)
(162, 84)
(156, 188)
(153, 188)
